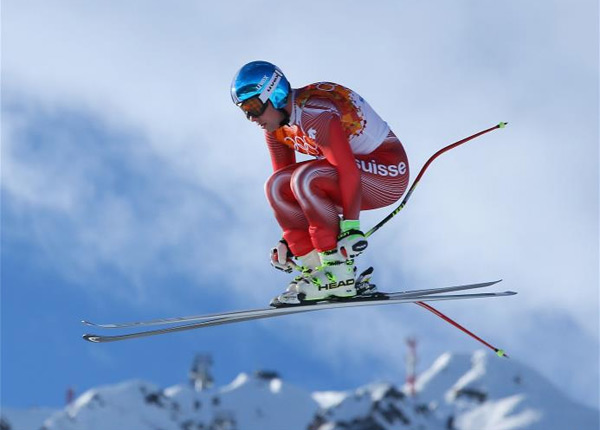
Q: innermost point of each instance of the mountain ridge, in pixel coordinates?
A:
(457, 392)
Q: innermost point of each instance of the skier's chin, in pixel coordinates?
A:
(270, 127)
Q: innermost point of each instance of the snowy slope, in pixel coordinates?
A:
(27, 419)
(373, 407)
(129, 405)
(506, 395)
(267, 403)
(458, 392)
(249, 402)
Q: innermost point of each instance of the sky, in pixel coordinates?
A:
(132, 187)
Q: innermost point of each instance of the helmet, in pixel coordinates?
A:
(263, 79)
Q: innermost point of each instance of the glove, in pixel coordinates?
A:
(281, 257)
(351, 241)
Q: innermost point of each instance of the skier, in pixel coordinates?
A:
(360, 164)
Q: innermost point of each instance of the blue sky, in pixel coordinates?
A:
(132, 187)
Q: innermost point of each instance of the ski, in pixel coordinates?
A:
(196, 318)
(228, 318)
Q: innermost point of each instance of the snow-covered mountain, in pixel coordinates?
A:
(499, 394)
(24, 418)
(458, 392)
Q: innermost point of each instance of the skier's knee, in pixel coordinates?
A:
(277, 185)
(301, 181)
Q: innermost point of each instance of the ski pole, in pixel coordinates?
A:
(499, 352)
(423, 169)
(430, 308)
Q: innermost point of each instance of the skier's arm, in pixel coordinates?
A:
(321, 121)
(281, 155)
(337, 151)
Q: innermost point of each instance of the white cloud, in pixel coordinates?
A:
(521, 203)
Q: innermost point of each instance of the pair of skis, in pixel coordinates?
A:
(179, 324)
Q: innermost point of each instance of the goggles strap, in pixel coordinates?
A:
(270, 86)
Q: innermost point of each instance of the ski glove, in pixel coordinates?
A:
(281, 257)
(351, 241)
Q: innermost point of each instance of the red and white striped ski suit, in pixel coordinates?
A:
(360, 164)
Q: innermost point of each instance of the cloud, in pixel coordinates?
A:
(97, 198)
(122, 148)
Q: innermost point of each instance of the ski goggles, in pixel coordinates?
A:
(256, 105)
(253, 107)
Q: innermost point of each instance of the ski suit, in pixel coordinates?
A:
(360, 164)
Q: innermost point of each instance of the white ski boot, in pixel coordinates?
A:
(309, 264)
(333, 278)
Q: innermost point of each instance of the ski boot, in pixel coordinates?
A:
(334, 278)
(309, 264)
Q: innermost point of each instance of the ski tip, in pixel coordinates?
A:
(91, 338)
(502, 124)
(489, 284)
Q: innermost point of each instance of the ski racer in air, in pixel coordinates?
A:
(359, 165)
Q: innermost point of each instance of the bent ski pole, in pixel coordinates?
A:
(499, 352)
(430, 308)
(423, 169)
